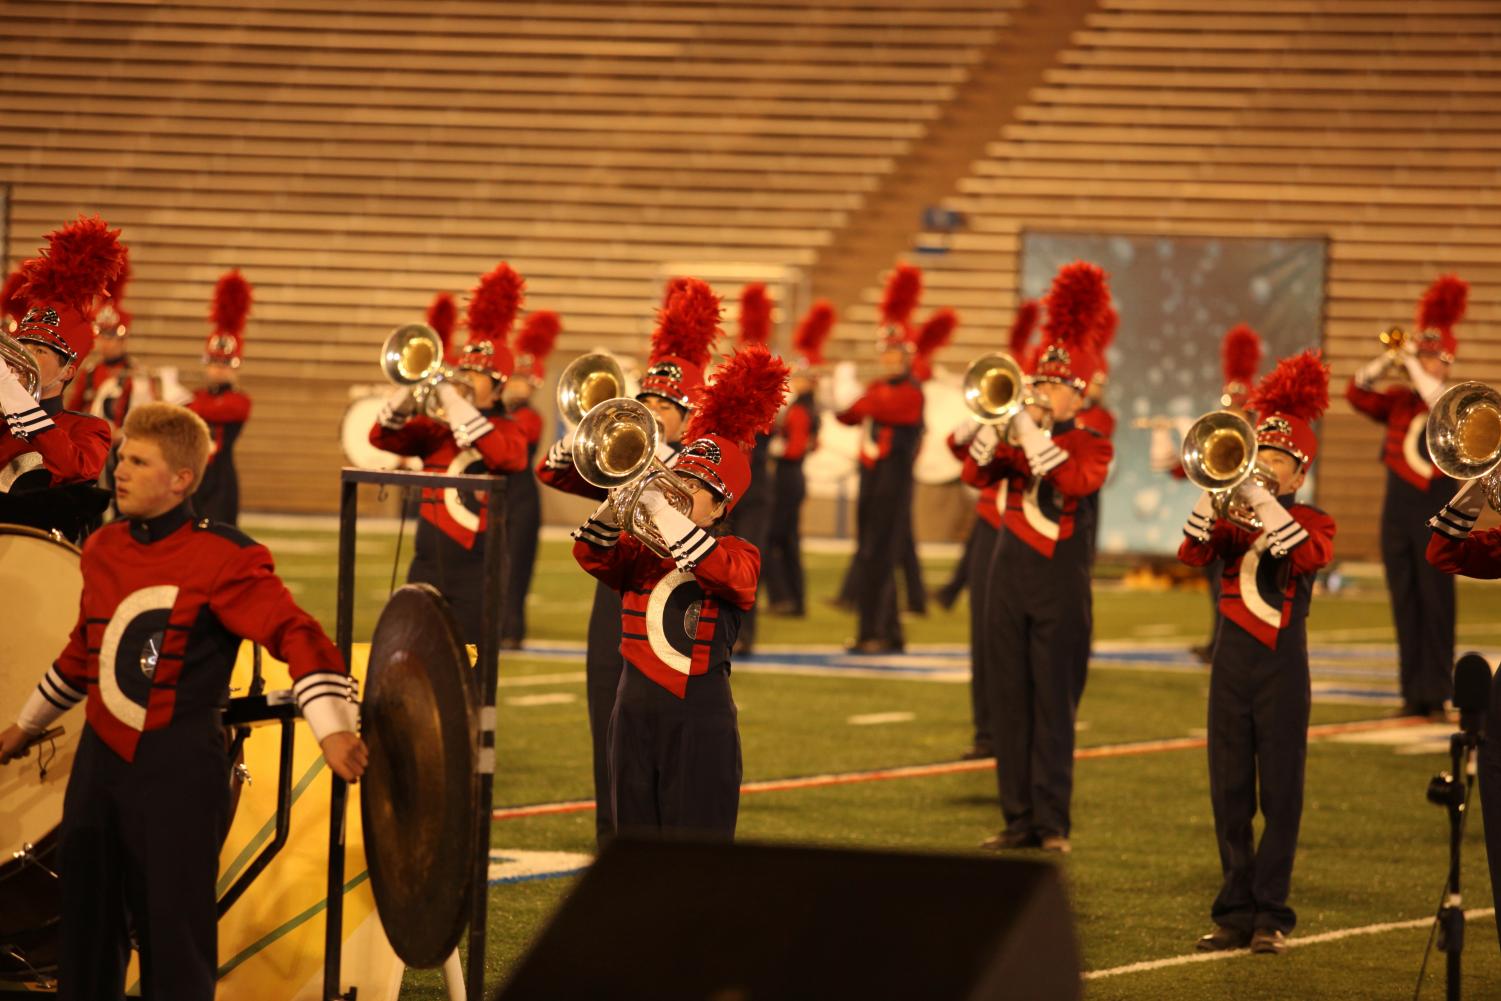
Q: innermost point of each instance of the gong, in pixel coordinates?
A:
(421, 789)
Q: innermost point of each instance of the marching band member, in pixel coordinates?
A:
(793, 437)
(681, 347)
(1422, 598)
(1240, 357)
(474, 435)
(103, 388)
(43, 446)
(166, 599)
(674, 761)
(890, 409)
(978, 550)
(1258, 682)
(752, 520)
(1037, 595)
(534, 342)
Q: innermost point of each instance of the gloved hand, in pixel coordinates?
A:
(1043, 455)
(1281, 530)
(14, 399)
(1428, 387)
(846, 388)
(1201, 519)
(173, 391)
(665, 452)
(1371, 371)
(1470, 500)
(964, 432)
(653, 500)
(394, 412)
(464, 419)
(1163, 454)
(983, 444)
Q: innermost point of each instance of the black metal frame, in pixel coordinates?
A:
(488, 671)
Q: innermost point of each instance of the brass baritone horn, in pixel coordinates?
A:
(1219, 454)
(588, 381)
(413, 356)
(14, 355)
(1464, 436)
(994, 388)
(615, 447)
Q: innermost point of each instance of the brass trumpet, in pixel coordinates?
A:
(1464, 436)
(14, 355)
(615, 447)
(1219, 454)
(996, 390)
(588, 381)
(413, 356)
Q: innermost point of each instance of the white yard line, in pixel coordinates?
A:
(1295, 943)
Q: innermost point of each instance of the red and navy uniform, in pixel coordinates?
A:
(225, 410)
(795, 435)
(50, 459)
(751, 521)
(1423, 604)
(1101, 421)
(103, 389)
(164, 607)
(523, 522)
(979, 548)
(674, 740)
(891, 411)
(1038, 622)
(447, 554)
(1259, 699)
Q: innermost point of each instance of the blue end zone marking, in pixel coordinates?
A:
(535, 876)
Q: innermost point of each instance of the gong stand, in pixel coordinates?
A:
(488, 671)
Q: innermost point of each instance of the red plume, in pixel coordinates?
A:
(1298, 387)
(493, 304)
(1110, 324)
(688, 324)
(12, 302)
(755, 315)
(903, 289)
(742, 397)
(443, 316)
(1076, 304)
(673, 287)
(1240, 354)
(231, 303)
(813, 330)
(1021, 328)
(1443, 305)
(77, 265)
(937, 331)
(539, 333)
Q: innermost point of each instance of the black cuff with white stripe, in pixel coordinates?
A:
(391, 418)
(559, 457)
(472, 430)
(1452, 522)
(1198, 527)
(598, 533)
(29, 422)
(58, 691)
(691, 550)
(1047, 460)
(1284, 540)
(326, 700)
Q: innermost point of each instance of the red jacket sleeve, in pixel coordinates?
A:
(1477, 555)
(419, 436)
(252, 602)
(612, 565)
(1009, 461)
(1377, 406)
(795, 429)
(886, 403)
(1087, 465)
(530, 423)
(564, 477)
(1317, 551)
(731, 571)
(503, 447)
(1225, 542)
(74, 447)
(958, 451)
(232, 407)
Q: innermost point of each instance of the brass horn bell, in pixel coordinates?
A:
(1464, 436)
(588, 381)
(615, 447)
(413, 356)
(20, 361)
(1219, 454)
(994, 388)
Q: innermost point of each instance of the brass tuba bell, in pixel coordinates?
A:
(1219, 454)
(1464, 436)
(615, 447)
(588, 381)
(413, 356)
(14, 355)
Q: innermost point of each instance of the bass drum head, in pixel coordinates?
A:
(354, 434)
(943, 410)
(41, 580)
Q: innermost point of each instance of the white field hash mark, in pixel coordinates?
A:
(876, 719)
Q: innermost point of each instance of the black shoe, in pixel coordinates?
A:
(1411, 709)
(1204, 652)
(978, 752)
(1011, 839)
(1223, 939)
(1269, 942)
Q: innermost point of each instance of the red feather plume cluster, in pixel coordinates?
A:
(903, 289)
(12, 302)
(539, 333)
(1240, 354)
(1298, 387)
(688, 324)
(672, 288)
(742, 397)
(1076, 305)
(937, 331)
(231, 303)
(494, 302)
(77, 265)
(1021, 328)
(443, 316)
(1443, 304)
(755, 315)
(1110, 323)
(814, 330)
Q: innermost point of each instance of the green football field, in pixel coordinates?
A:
(1372, 856)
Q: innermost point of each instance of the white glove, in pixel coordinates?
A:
(777, 447)
(846, 389)
(1163, 454)
(1457, 518)
(568, 439)
(964, 432)
(394, 412)
(983, 445)
(1429, 388)
(173, 390)
(464, 419)
(14, 399)
(1201, 519)
(140, 391)
(1371, 371)
(653, 500)
(1042, 454)
(1281, 530)
(665, 452)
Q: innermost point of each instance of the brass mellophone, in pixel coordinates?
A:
(1219, 454)
(14, 355)
(1464, 436)
(615, 447)
(996, 390)
(413, 356)
(588, 381)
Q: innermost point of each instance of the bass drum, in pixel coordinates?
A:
(943, 410)
(354, 434)
(41, 579)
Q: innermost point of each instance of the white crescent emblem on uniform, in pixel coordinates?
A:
(1410, 451)
(160, 598)
(17, 468)
(672, 613)
(1250, 595)
(1041, 523)
(461, 515)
